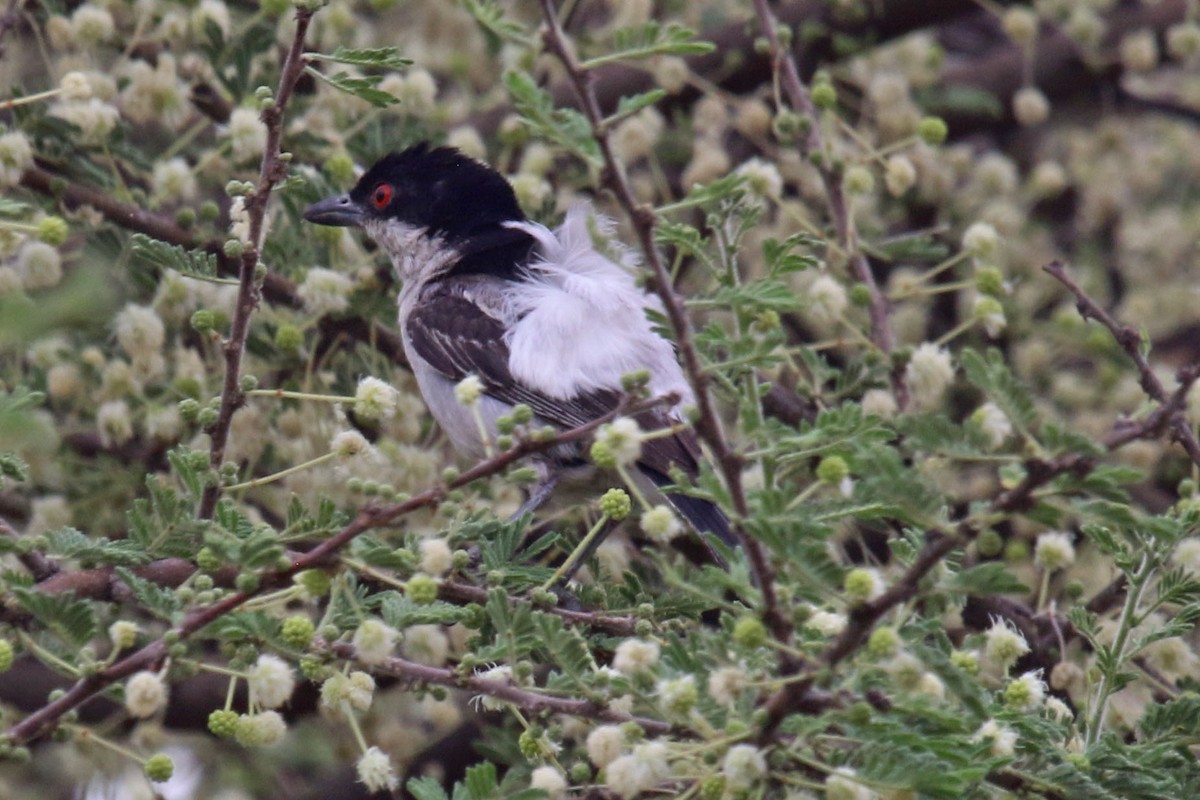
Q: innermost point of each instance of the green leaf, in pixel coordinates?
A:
(497, 28)
(480, 781)
(381, 57)
(186, 261)
(70, 543)
(12, 467)
(400, 612)
(364, 87)
(426, 789)
(71, 617)
(991, 577)
(564, 126)
(781, 257)
(628, 106)
(761, 295)
(651, 39)
(994, 379)
(14, 209)
(158, 600)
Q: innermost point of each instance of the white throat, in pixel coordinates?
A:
(416, 256)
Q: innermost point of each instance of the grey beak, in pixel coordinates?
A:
(339, 211)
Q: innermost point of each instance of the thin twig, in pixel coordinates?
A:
(38, 565)
(708, 425)
(527, 700)
(839, 211)
(1169, 416)
(272, 172)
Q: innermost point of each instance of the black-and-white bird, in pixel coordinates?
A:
(540, 317)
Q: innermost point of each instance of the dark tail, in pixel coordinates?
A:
(702, 515)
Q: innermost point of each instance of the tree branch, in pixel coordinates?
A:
(151, 655)
(708, 426)
(786, 69)
(525, 699)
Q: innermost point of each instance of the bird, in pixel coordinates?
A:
(539, 317)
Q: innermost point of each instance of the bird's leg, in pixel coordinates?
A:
(540, 493)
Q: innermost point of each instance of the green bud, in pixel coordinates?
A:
(210, 211)
(188, 409)
(602, 455)
(989, 543)
(860, 713)
(248, 383)
(989, 281)
(159, 767)
(544, 598)
(246, 582)
(580, 772)
(207, 560)
(421, 589)
(288, 338)
(616, 504)
(824, 96)
(207, 417)
(315, 582)
(274, 8)
(860, 585)
(883, 642)
(298, 631)
(222, 723)
(860, 295)
(52, 230)
(234, 248)
(749, 632)
(712, 787)
(932, 130)
(832, 470)
(204, 321)
(859, 180)
(186, 218)
(788, 126)
(968, 662)
(1016, 550)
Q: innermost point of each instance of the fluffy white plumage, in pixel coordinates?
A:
(581, 320)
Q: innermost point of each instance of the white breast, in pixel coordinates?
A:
(582, 319)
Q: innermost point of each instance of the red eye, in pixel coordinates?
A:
(382, 195)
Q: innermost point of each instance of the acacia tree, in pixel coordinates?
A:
(932, 297)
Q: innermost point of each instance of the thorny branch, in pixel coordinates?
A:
(643, 219)
(1169, 416)
(272, 172)
(151, 655)
(525, 699)
(839, 210)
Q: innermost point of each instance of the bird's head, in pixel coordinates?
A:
(420, 197)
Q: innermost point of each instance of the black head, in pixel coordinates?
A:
(437, 189)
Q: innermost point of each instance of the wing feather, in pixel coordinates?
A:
(458, 336)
